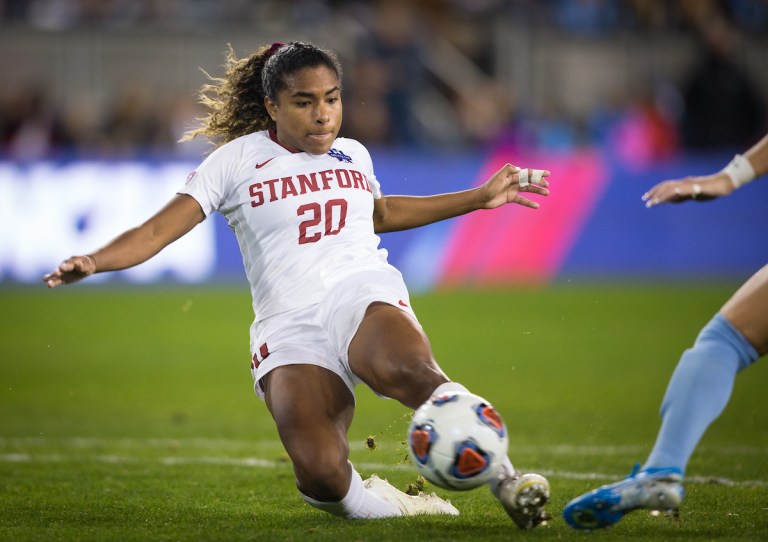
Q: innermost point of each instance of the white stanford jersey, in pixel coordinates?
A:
(303, 222)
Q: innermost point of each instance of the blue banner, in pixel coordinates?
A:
(593, 226)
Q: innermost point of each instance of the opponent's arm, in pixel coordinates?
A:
(133, 246)
(395, 213)
(740, 171)
(758, 157)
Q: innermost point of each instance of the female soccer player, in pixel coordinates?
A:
(330, 311)
(703, 380)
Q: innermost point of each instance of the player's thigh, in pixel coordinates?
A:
(313, 409)
(747, 310)
(391, 353)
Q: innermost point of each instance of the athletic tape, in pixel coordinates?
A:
(522, 177)
(528, 176)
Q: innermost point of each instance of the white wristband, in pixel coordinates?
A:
(740, 171)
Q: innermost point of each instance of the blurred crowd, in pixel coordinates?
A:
(391, 99)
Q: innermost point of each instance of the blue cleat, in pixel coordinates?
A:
(651, 489)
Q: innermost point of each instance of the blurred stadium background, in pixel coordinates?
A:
(611, 96)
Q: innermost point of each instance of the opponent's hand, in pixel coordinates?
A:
(702, 188)
(508, 184)
(71, 270)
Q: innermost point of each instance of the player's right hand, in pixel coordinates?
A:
(691, 188)
(71, 270)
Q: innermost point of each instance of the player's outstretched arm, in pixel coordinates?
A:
(508, 185)
(740, 171)
(134, 246)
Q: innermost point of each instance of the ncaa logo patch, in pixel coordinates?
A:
(340, 156)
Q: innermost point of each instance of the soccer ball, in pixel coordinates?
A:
(457, 440)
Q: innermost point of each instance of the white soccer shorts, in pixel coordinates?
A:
(320, 334)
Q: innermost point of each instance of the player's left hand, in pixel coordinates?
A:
(509, 183)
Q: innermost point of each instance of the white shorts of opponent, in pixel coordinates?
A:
(320, 334)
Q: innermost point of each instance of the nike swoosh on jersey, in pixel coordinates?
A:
(259, 166)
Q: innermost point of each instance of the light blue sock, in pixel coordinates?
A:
(698, 391)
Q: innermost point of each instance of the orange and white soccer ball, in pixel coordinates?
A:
(457, 440)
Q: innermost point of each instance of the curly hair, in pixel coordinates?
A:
(235, 102)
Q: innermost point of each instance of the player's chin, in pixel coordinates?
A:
(319, 144)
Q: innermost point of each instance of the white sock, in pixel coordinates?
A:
(506, 470)
(447, 387)
(359, 503)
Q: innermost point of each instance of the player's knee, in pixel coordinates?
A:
(723, 340)
(322, 475)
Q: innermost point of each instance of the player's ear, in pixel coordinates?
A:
(271, 107)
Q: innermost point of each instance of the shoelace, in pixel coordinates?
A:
(635, 470)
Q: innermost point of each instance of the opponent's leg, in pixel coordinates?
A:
(703, 381)
(747, 310)
(697, 393)
(392, 355)
(313, 410)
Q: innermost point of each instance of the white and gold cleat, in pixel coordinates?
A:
(410, 505)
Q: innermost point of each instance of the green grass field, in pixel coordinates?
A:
(128, 414)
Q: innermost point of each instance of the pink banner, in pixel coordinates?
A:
(518, 244)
